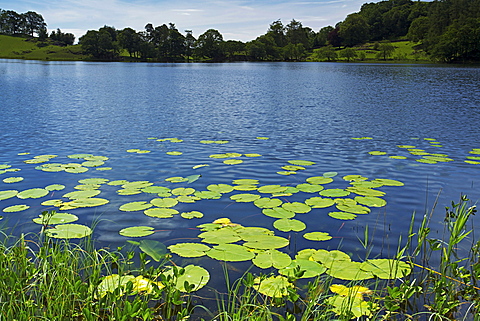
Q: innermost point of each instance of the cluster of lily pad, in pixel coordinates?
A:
(89, 161)
(426, 157)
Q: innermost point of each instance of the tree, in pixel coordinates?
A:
(176, 43)
(233, 48)
(348, 53)
(297, 34)
(334, 38)
(293, 51)
(418, 30)
(129, 40)
(386, 50)
(99, 45)
(277, 31)
(323, 53)
(209, 45)
(33, 23)
(256, 50)
(354, 30)
(11, 23)
(321, 38)
(189, 44)
(62, 38)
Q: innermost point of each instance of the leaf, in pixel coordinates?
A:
(356, 209)
(311, 268)
(287, 225)
(278, 212)
(377, 153)
(135, 206)
(192, 178)
(160, 212)
(244, 197)
(388, 182)
(319, 180)
(342, 215)
(192, 214)
(387, 268)
(334, 192)
(57, 218)
(208, 195)
(301, 162)
(296, 207)
(266, 242)
(309, 188)
(16, 208)
(189, 249)
(164, 202)
(319, 202)
(230, 253)
(193, 275)
(13, 179)
(272, 189)
(274, 286)
(137, 231)
(55, 187)
(155, 249)
(232, 161)
(7, 194)
(272, 258)
(317, 236)
(371, 201)
(220, 236)
(348, 270)
(174, 153)
(155, 189)
(220, 188)
(81, 194)
(266, 202)
(183, 191)
(68, 231)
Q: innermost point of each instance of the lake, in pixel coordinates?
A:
(308, 111)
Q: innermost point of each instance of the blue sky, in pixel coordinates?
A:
(235, 19)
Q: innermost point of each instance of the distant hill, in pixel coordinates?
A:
(30, 48)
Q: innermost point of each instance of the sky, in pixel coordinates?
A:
(242, 20)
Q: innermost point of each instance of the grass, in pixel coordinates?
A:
(50, 279)
(26, 48)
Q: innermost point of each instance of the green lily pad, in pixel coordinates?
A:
(278, 212)
(33, 193)
(208, 195)
(220, 188)
(137, 231)
(345, 305)
(85, 202)
(252, 155)
(189, 249)
(262, 138)
(174, 153)
(200, 166)
(131, 191)
(135, 206)
(245, 188)
(192, 214)
(187, 199)
(330, 174)
(310, 268)
(117, 182)
(55, 187)
(472, 162)
(319, 180)
(266, 202)
(95, 163)
(272, 258)
(274, 286)
(164, 202)
(309, 188)
(354, 178)
(220, 236)
(16, 208)
(69, 231)
(293, 168)
(387, 268)
(230, 253)
(287, 225)
(348, 270)
(397, 157)
(5, 166)
(286, 173)
(242, 198)
(426, 161)
(137, 184)
(160, 212)
(232, 161)
(388, 182)
(371, 201)
(367, 184)
(342, 215)
(266, 242)
(296, 207)
(52, 203)
(317, 236)
(365, 191)
(7, 194)
(245, 181)
(193, 275)
(377, 153)
(57, 218)
(356, 209)
(334, 192)
(13, 179)
(272, 189)
(155, 189)
(176, 179)
(79, 156)
(82, 194)
(319, 202)
(301, 162)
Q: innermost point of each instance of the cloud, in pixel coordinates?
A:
(235, 19)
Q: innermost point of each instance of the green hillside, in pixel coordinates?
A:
(28, 48)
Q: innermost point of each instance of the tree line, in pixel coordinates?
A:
(447, 30)
(30, 23)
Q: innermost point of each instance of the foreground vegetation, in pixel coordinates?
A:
(42, 278)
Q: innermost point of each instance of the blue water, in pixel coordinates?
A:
(309, 111)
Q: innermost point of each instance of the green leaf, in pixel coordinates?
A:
(301, 162)
(33, 193)
(208, 195)
(319, 202)
(244, 197)
(266, 242)
(266, 202)
(137, 231)
(16, 208)
(272, 258)
(232, 161)
(55, 187)
(278, 212)
(192, 214)
(155, 249)
(189, 249)
(388, 182)
(319, 180)
(272, 189)
(371, 201)
(387, 268)
(309, 188)
(135, 206)
(220, 188)
(220, 236)
(7, 194)
(57, 218)
(155, 189)
(365, 191)
(274, 286)
(183, 191)
(311, 268)
(13, 179)
(287, 225)
(348, 270)
(356, 209)
(296, 207)
(193, 275)
(81, 194)
(68, 231)
(230, 253)
(245, 181)
(174, 153)
(334, 192)
(164, 202)
(160, 212)
(377, 153)
(317, 236)
(342, 215)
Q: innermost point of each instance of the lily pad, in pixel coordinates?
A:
(301, 162)
(174, 153)
(7, 194)
(342, 215)
(55, 187)
(155, 189)
(296, 207)
(230, 253)
(208, 195)
(33, 193)
(220, 236)
(334, 192)
(57, 218)
(274, 286)
(309, 188)
(278, 212)
(137, 184)
(287, 225)
(388, 182)
(272, 189)
(386, 268)
(135, 206)
(266, 242)
(232, 161)
(13, 179)
(293, 168)
(220, 188)
(319, 180)
(137, 231)
(85, 202)
(354, 178)
(365, 191)
(252, 155)
(69, 231)
(164, 202)
(243, 198)
(160, 212)
(189, 249)
(16, 208)
(317, 236)
(245, 188)
(193, 275)
(310, 268)
(356, 209)
(348, 270)
(377, 153)
(192, 214)
(183, 191)
(82, 194)
(272, 258)
(371, 201)
(266, 202)
(319, 202)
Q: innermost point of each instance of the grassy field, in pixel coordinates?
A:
(24, 48)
